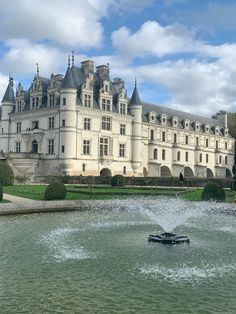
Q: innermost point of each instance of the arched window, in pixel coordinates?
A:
(226, 160)
(186, 156)
(178, 155)
(220, 159)
(155, 153)
(200, 157)
(163, 154)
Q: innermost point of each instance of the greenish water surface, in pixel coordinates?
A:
(100, 261)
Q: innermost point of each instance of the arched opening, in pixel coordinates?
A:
(155, 153)
(210, 173)
(105, 172)
(145, 173)
(228, 173)
(34, 147)
(165, 172)
(188, 172)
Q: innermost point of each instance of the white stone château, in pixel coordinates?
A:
(83, 123)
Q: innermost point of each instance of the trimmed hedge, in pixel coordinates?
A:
(141, 181)
(213, 192)
(56, 190)
(118, 180)
(6, 174)
(1, 192)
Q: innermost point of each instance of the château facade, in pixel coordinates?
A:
(83, 123)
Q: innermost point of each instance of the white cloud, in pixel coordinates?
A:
(71, 23)
(22, 56)
(154, 40)
(194, 86)
(202, 83)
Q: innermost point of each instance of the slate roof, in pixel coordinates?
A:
(75, 77)
(147, 107)
(135, 99)
(9, 94)
(69, 79)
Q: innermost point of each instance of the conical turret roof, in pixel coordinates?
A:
(9, 94)
(135, 99)
(68, 81)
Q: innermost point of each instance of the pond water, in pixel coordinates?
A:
(99, 261)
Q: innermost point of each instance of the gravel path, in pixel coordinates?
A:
(16, 199)
(22, 205)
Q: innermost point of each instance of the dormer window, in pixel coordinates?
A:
(197, 126)
(106, 104)
(164, 119)
(152, 117)
(226, 132)
(19, 106)
(207, 128)
(122, 108)
(186, 124)
(51, 100)
(87, 100)
(217, 130)
(106, 87)
(175, 121)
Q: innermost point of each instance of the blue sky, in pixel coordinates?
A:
(183, 52)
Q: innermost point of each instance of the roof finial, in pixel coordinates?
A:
(11, 79)
(135, 82)
(37, 69)
(73, 57)
(68, 60)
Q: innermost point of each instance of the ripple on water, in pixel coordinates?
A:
(62, 248)
(184, 273)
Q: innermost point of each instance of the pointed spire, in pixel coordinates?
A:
(68, 81)
(37, 69)
(135, 99)
(73, 58)
(9, 94)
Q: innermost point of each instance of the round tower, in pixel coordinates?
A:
(8, 106)
(135, 107)
(68, 121)
(8, 101)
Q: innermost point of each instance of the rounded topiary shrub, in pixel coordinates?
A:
(1, 192)
(213, 192)
(118, 180)
(56, 190)
(6, 174)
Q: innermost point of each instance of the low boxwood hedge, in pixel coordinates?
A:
(6, 174)
(213, 192)
(56, 190)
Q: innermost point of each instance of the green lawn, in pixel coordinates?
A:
(75, 192)
(196, 195)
